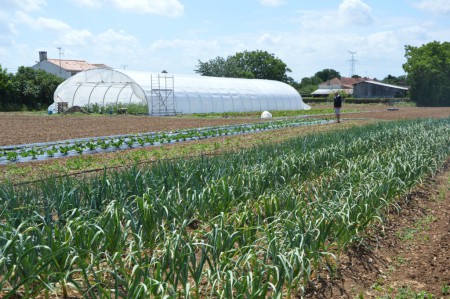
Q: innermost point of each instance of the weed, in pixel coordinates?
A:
(445, 290)
(421, 225)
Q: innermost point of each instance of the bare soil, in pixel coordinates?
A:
(409, 254)
(19, 128)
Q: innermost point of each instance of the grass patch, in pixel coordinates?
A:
(420, 226)
(281, 113)
(408, 293)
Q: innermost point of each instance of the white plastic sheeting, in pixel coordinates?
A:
(101, 87)
(266, 114)
(191, 93)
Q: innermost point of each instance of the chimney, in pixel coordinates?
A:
(42, 55)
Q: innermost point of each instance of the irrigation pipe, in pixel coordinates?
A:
(73, 174)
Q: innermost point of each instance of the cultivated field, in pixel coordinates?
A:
(327, 211)
(18, 128)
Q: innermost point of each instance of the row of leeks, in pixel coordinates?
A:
(258, 223)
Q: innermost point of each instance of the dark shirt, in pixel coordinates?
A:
(337, 101)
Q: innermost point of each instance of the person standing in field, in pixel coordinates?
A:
(337, 106)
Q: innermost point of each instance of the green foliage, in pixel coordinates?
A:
(254, 65)
(393, 80)
(327, 74)
(445, 289)
(428, 69)
(135, 109)
(308, 85)
(28, 89)
(6, 88)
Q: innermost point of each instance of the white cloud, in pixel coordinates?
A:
(41, 23)
(113, 37)
(435, 6)
(413, 33)
(114, 48)
(269, 39)
(171, 8)
(310, 20)
(89, 3)
(7, 18)
(185, 44)
(26, 5)
(160, 54)
(76, 38)
(272, 2)
(355, 12)
(379, 44)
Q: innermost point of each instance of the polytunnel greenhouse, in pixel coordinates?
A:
(167, 94)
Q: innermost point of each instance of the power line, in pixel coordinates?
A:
(352, 61)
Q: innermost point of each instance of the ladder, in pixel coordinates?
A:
(162, 96)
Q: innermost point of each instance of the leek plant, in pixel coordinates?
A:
(258, 223)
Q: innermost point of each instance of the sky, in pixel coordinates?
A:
(173, 35)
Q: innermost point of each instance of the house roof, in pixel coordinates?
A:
(102, 66)
(350, 81)
(73, 65)
(327, 91)
(383, 84)
(344, 82)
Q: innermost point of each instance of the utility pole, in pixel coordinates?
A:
(60, 53)
(352, 61)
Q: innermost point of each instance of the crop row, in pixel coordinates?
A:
(124, 142)
(258, 223)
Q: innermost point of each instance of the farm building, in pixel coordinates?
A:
(62, 67)
(374, 89)
(336, 84)
(166, 94)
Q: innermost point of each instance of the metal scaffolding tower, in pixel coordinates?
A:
(162, 96)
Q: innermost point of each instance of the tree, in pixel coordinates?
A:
(255, 64)
(308, 84)
(428, 73)
(327, 74)
(400, 80)
(6, 88)
(28, 88)
(217, 67)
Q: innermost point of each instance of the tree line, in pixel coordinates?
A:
(27, 90)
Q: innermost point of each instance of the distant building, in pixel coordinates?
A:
(64, 68)
(331, 86)
(375, 89)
